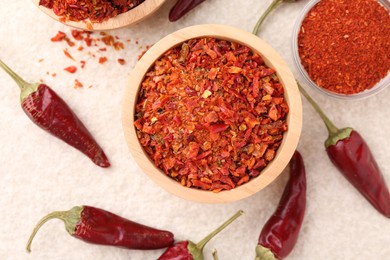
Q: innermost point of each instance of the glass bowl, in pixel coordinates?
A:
(305, 78)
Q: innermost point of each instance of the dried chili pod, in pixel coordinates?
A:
(188, 250)
(181, 8)
(98, 226)
(280, 233)
(271, 7)
(50, 112)
(349, 152)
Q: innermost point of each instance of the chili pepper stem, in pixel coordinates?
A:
(265, 14)
(197, 249)
(335, 134)
(25, 87)
(263, 253)
(70, 217)
(215, 254)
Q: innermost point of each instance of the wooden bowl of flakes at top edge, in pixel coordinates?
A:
(132, 16)
(271, 59)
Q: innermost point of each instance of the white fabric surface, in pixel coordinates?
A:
(40, 174)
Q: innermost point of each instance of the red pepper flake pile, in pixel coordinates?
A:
(211, 114)
(95, 11)
(344, 45)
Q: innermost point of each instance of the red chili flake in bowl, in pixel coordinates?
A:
(211, 114)
(344, 45)
(94, 10)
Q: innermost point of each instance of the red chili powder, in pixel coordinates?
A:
(211, 114)
(344, 45)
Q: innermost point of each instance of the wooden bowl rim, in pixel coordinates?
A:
(271, 58)
(132, 16)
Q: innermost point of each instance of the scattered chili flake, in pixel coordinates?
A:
(68, 55)
(212, 133)
(80, 48)
(82, 62)
(71, 69)
(102, 60)
(77, 84)
(69, 42)
(147, 47)
(77, 35)
(344, 45)
(121, 61)
(103, 49)
(108, 40)
(96, 11)
(88, 41)
(59, 37)
(54, 74)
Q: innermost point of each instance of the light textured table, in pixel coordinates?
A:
(40, 174)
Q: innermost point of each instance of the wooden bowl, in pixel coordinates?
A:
(271, 59)
(132, 16)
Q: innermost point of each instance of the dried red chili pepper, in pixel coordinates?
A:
(271, 7)
(188, 250)
(47, 110)
(279, 235)
(98, 226)
(181, 8)
(351, 155)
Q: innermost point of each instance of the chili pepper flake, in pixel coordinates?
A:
(121, 61)
(77, 84)
(102, 60)
(95, 11)
(233, 107)
(67, 54)
(71, 69)
(59, 37)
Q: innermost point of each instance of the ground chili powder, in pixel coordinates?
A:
(211, 114)
(344, 45)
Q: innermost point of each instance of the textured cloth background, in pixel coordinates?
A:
(40, 174)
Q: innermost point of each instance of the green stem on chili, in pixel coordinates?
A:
(335, 134)
(265, 14)
(200, 245)
(70, 218)
(215, 254)
(25, 87)
(187, 249)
